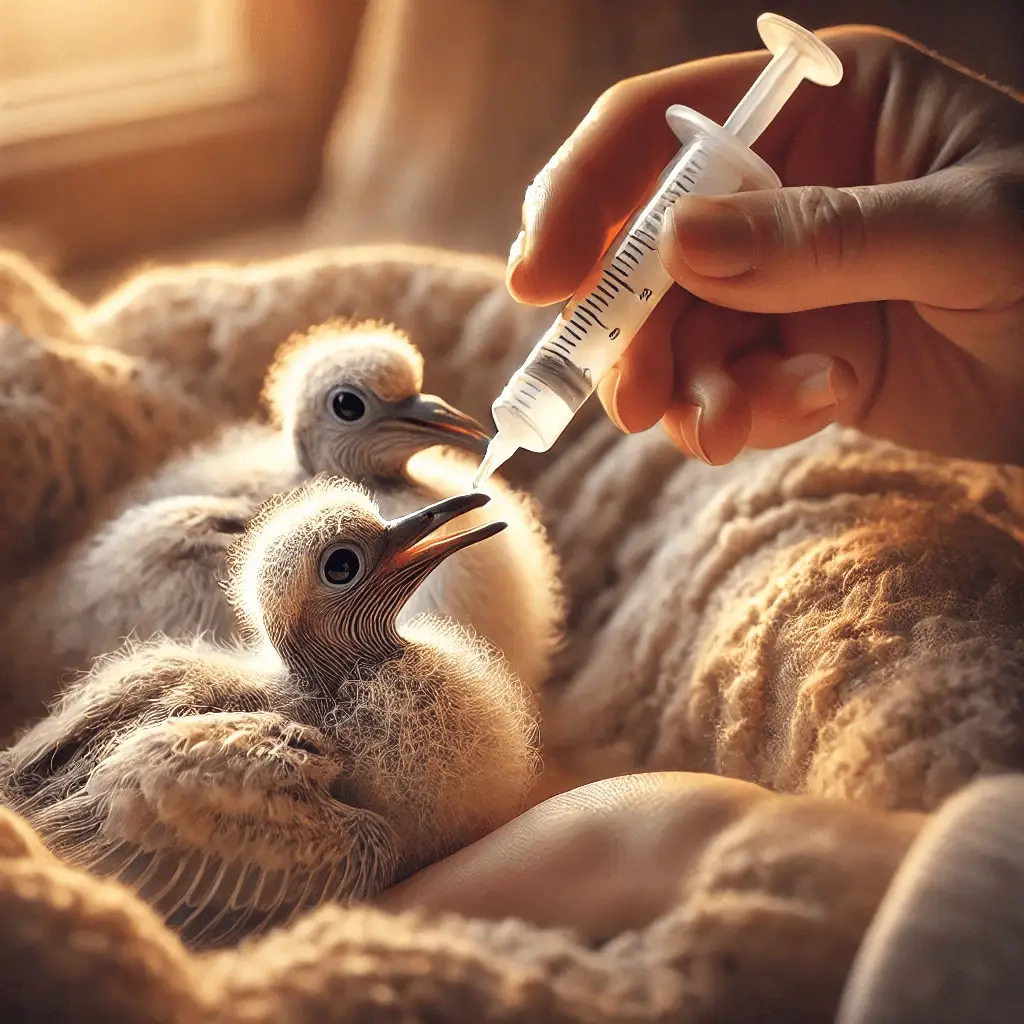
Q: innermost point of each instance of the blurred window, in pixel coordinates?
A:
(129, 124)
(65, 64)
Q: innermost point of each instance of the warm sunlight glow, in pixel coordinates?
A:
(66, 62)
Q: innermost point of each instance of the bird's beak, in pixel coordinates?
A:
(432, 415)
(409, 538)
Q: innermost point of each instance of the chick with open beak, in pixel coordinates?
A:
(334, 754)
(354, 408)
(354, 397)
(347, 400)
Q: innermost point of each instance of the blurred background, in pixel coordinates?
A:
(136, 131)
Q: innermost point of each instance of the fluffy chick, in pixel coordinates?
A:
(347, 401)
(332, 755)
(352, 406)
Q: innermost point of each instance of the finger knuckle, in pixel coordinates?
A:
(827, 223)
(621, 95)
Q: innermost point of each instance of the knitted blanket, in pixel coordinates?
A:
(838, 619)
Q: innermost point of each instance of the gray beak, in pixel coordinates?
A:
(409, 540)
(442, 422)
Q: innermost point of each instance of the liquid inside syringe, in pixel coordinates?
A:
(592, 331)
(608, 309)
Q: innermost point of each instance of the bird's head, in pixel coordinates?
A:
(321, 576)
(350, 397)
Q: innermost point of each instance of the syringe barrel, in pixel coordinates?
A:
(609, 308)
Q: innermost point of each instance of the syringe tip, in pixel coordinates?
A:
(500, 450)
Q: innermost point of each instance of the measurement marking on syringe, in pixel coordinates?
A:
(618, 280)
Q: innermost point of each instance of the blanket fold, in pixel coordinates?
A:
(769, 917)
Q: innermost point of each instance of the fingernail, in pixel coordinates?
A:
(609, 394)
(710, 237)
(814, 393)
(674, 428)
(515, 257)
(698, 442)
(826, 387)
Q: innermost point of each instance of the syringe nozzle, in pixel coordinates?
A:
(797, 54)
(499, 451)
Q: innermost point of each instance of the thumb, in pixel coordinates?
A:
(951, 240)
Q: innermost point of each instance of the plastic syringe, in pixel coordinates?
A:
(604, 315)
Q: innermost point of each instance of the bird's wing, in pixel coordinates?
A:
(222, 827)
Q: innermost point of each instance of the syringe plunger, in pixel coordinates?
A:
(797, 54)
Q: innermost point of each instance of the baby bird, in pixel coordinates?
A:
(336, 396)
(157, 564)
(346, 401)
(364, 380)
(331, 756)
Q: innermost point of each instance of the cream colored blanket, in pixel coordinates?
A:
(840, 618)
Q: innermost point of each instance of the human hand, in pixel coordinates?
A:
(883, 288)
(617, 854)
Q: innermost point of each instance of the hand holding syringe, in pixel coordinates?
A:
(608, 309)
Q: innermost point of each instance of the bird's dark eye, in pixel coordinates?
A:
(348, 406)
(341, 567)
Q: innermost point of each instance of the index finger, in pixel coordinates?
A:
(606, 168)
(609, 165)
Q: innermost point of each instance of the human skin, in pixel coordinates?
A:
(618, 854)
(882, 288)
